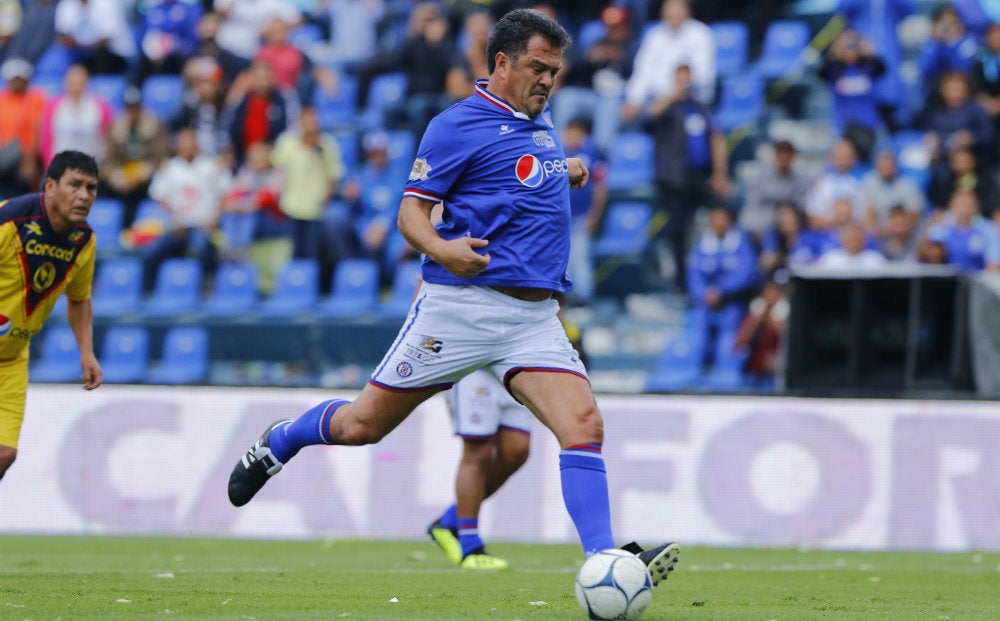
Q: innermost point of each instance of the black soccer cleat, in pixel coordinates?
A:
(254, 469)
(660, 560)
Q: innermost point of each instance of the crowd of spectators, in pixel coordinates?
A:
(247, 149)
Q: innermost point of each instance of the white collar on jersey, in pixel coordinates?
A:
(496, 101)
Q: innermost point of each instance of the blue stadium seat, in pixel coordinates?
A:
(59, 310)
(125, 355)
(149, 209)
(732, 45)
(347, 142)
(305, 35)
(51, 84)
(163, 95)
(296, 289)
(234, 290)
(184, 359)
(784, 42)
(111, 88)
(404, 284)
(53, 64)
(630, 160)
(625, 231)
(590, 33)
(177, 288)
(60, 358)
(741, 101)
(337, 110)
(402, 150)
(678, 367)
(726, 374)
(117, 287)
(355, 289)
(238, 230)
(385, 91)
(107, 216)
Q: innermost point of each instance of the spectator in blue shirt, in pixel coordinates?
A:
(959, 122)
(167, 37)
(587, 207)
(950, 48)
(851, 69)
(722, 277)
(964, 241)
(879, 20)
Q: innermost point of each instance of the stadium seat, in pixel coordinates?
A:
(385, 91)
(177, 288)
(741, 101)
(59, 310)
(107, 217)
(53, 64)
(296, 289)
(355, 289)
(51, 84)
(337, 110)
(238, 230)
(163, 95)
(402, 150)
(590, 33)
(234, 290)
(60, 358)
(117, 287)
(305, 36)
(347, 142)
(784, 43)
(111, 88)
(630, 160)
(125, 354)
(404, 284)
(625, 230)
(732, 43)
(678, 367)
(184, 359)
(726, 374)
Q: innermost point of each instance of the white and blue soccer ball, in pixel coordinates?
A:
(613, 585)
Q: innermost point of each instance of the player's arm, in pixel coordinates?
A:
(81, 320)
(458, 256)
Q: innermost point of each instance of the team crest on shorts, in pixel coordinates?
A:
(404, 369)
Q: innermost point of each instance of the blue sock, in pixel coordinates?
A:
(449, 519)
(313, 427)
(585, 493)
(468, 535)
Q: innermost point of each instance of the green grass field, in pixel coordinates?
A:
(84, 578)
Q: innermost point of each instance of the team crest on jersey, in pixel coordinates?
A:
(420, 170)
(5, 324)
(43, 277)
(404, 369)
(543, 139)
(75, 237)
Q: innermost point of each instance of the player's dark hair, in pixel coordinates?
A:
(512, 32)
(71, 160)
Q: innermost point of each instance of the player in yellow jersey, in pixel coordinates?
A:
(46, 248)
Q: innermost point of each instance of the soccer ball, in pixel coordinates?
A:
(613, 584)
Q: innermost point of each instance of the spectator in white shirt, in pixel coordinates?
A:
(190, 186)
(244, 21)
(852, 255)
(884, 188)
(677, 40)
(840, 181)
(98, 34)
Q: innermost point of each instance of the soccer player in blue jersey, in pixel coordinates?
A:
(492, 266)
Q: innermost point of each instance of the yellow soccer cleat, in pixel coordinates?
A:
(447, 540)
(481, 561)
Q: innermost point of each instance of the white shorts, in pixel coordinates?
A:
(480, 406)
(451, 331)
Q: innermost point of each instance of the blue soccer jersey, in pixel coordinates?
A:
(502, 177)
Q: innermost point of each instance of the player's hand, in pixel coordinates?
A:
(92, 375)
(459, 256)
(578, 173)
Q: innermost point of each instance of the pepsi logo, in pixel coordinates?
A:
(529, 171)
(5, 325)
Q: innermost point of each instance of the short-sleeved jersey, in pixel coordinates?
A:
(36, 266)
(502, 177)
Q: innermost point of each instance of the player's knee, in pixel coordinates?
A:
(7, 456)
(588, 427)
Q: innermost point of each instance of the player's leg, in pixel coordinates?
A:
(566, 405)
(13, 395)
(366, 420)
(512, 448)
